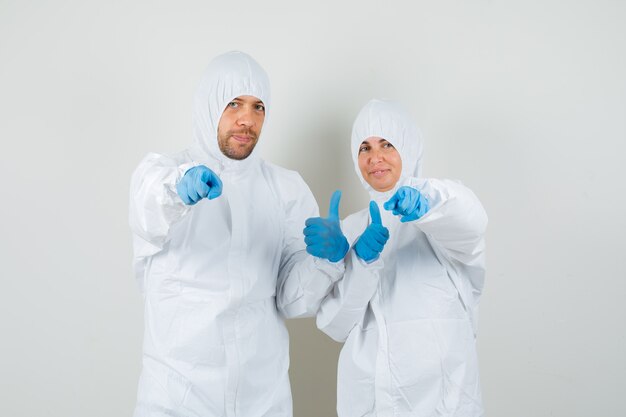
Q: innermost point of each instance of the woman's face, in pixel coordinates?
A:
(380, 163)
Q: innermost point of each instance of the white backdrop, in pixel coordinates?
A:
(525, 101)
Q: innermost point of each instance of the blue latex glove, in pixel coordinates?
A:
(323, 236)
(199, 182)
(408, 203)
(372, 241)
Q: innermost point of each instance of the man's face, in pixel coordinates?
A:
(380, 163)
(240, 126)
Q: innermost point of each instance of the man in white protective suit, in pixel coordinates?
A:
(406, 307)
(220, 258)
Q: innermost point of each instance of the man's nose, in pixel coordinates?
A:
(245, 118)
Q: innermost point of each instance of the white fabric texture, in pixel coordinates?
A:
(219, 277)
(408, 319)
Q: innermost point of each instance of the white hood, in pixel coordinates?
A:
(408, 319)
(228, 76)
(390, 121)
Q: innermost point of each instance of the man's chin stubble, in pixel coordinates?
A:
(238, 156)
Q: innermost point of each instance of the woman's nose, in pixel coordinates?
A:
(376, 157)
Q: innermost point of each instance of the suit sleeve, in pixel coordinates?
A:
(154, 203)
(455, 226)
(456, 220)
(345, 306)
(303, 280)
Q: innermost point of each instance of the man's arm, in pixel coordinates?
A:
(303, 280)
(345, 306)
(154, 203)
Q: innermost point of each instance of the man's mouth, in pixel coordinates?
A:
(242, 138)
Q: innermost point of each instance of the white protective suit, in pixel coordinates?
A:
(408, 319)
(216, 275)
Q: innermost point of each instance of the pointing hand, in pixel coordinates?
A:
(199, 182)
(408, 203)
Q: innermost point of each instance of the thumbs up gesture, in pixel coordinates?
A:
(323, 236)
(372, 241)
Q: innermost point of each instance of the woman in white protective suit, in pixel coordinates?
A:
(407, 304)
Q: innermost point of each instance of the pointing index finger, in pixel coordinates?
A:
(391, 203)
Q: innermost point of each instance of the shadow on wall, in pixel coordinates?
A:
(319, 149)
(313, 369)
(328, 165)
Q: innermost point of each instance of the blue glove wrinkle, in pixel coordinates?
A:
(190, 193)
(381, 234)
(323, 236)
(181, 189)
(202, 189)
(198, 182)
(409, 203)
(406, 200)
(373, 244)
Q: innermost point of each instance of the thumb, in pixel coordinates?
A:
(375, 213)
(333, 210)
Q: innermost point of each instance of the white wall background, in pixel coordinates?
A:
(525, 101)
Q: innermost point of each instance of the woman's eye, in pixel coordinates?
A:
(387, 145)
(260, 107)
(362, 149)
(232, 104)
